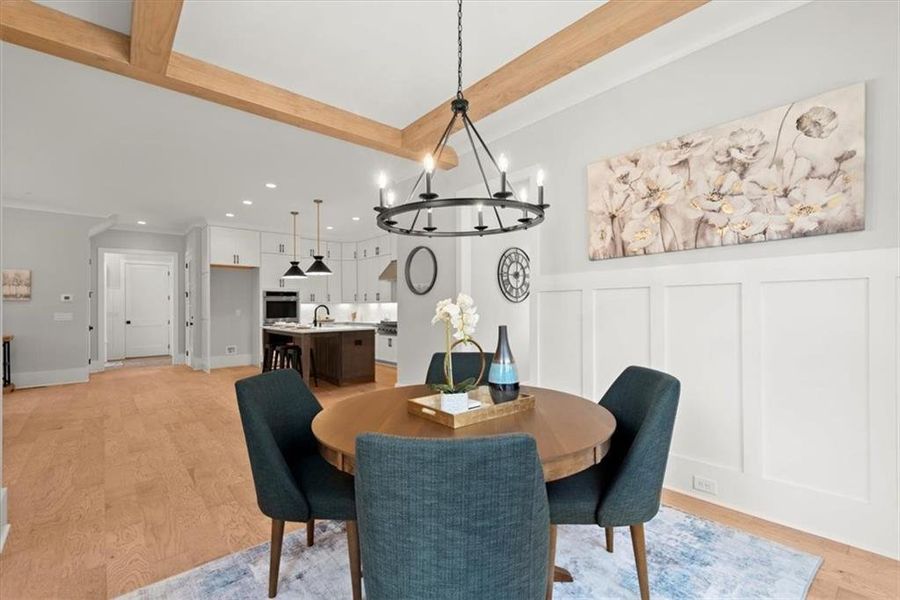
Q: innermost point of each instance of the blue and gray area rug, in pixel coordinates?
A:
(688, 558)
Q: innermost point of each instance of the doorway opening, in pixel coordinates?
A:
(136, 308)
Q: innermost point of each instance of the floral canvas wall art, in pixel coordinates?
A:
(16, 284)
(793, 171)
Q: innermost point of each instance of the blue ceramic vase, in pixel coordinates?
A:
(503, 377)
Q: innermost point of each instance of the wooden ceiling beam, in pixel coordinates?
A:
(38, 27)
(601, 31)
(153, 25)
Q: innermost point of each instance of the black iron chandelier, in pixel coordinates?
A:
(390, 214)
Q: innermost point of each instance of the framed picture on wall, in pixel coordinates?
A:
(17, 285)
(793, 171)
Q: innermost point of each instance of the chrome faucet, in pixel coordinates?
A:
(316, 314)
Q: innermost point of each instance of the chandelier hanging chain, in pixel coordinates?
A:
(459, 92)
(505, 198)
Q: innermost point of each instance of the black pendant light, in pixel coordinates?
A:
(504, 198)
(294, 272)
(318, 267)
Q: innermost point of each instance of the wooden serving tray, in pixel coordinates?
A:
(429, 407)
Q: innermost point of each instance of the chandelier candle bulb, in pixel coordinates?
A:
(540, 184)
(429, 171)
(382, 182)
(503, 165)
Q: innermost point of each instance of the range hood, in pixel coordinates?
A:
(389, 273)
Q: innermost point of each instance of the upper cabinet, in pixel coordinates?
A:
(333, 250)
(234, 247)
(277, 243)
(348, 251)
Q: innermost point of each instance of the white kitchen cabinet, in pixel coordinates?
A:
(348, 251)
(334, 282)
(313, 290)
(366, 248)
(348, 280)
(382, 246)
(272, 267)
(367, 279)
(333, 251)
(276, 243)
(234, 247)
(306, 249)
(386, 348)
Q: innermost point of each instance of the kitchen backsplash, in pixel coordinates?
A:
(367, 313)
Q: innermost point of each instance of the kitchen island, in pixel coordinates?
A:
(342, 353)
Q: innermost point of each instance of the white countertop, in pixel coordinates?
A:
(314, 330)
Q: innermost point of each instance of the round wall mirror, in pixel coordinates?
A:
(421, 270)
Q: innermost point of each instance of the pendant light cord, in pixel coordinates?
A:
(318, 229)
(459, 92)
(294, 237)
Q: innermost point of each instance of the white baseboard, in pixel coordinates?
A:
(178, 359)
(96, 367)
(4, 526)
(43, 378)
(232, 360)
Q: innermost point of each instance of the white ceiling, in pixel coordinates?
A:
(87, 141)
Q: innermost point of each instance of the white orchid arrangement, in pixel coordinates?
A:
(460, 319)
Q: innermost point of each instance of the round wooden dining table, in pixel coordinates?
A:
(572, 433)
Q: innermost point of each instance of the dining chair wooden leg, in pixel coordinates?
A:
(551, 563)
(609, 539)
(355, 567)
(640, 559)
(275, 555)
(310, 532)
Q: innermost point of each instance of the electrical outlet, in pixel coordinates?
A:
(230, 349)
(708, 486)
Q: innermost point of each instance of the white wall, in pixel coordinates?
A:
(234, 320)
(419, 339)
(55, 247)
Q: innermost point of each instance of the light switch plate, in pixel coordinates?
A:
(703, 484)
(63, 316)
(230, 349)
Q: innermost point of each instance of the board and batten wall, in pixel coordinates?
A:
(787, 351)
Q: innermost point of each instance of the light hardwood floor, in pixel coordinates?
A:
(143, 473)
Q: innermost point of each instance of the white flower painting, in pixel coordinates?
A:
(17, 284)
(793, 171)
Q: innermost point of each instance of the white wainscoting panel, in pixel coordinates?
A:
(559, 336)
(815, 396)
(702, 339)
(789, 373)
(621, 333)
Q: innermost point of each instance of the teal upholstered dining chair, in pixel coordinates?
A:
(452, 519)
(625, 488)
(293, 482)
(465, 365)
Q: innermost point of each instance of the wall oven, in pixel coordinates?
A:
(281, 306)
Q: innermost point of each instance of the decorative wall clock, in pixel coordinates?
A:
(514, 274)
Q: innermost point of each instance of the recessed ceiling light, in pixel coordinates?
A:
(271, 186)
(229, 215)
(329, 227)
(356, 218)
(248, 202)
(142, 222)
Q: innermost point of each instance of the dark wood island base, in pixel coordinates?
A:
(342, 355)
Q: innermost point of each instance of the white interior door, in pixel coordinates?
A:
(146, 310)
